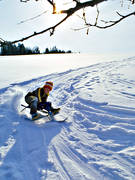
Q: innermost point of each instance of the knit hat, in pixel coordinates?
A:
(48, 85)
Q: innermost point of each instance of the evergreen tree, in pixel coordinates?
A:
(46, 51)
(54, 49)
(36, 50)
(12, 49)
(21, 49)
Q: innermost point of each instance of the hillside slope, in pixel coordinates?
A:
(96, 142)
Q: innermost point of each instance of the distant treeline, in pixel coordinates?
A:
(55, 50)
(20, 49)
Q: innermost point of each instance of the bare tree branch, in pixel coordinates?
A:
(51, 2)
(32, 18)
(24, 1)
(97, 16)
(1, 40)
(69, 12)
(50, 29)
(53, 5)
(112, 23)
(82, 5)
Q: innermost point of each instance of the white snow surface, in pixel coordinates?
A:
(97, 142)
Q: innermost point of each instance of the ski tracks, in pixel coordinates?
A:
(96, 142)
(100, 140)
(69, 162)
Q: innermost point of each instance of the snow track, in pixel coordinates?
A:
(96, 143)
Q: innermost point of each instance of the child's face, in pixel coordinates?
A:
(47, 90)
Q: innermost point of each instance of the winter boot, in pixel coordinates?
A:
(55, 111)
(36, 116)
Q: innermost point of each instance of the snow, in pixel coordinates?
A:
(98, 139)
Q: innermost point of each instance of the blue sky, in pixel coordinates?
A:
(118, 39)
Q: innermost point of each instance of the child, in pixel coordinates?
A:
(37, 100)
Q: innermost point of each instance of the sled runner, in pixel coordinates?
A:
(54, 117)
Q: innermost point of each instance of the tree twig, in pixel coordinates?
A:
(32, 18)
(112, 23)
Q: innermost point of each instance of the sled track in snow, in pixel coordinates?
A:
(100, 131)
(96, 142)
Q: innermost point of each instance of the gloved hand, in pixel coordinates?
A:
(44, 105)
(41, 106)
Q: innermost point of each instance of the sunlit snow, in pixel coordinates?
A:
(97, 142)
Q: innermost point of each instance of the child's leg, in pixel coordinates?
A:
(32, 101)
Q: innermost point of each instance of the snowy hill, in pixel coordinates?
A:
(96, 143)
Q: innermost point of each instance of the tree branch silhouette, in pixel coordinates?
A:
(110, 23)
(69, 12)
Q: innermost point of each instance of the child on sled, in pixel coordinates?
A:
(37, 100)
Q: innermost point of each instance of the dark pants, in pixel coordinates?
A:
(45, 105)
(32, 101)
(34, 105)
